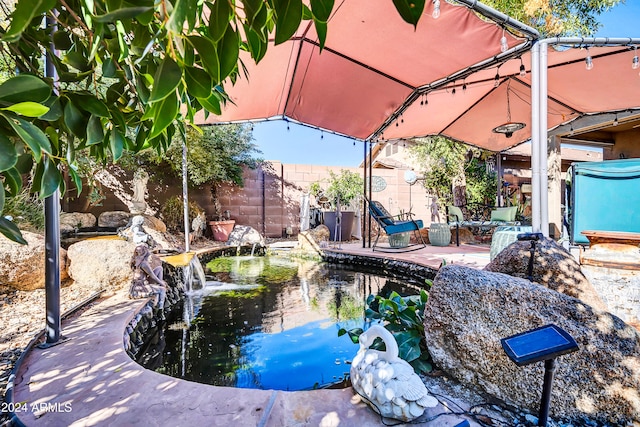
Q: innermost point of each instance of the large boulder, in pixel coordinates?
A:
(470, 310)
(70, 221)
(23, 266)
(99, 264)
(244, 235)
(114, 219)
(553, 267)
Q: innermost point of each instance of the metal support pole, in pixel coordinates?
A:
(185, 193)
(52, 236)
(543, 142)
(549, 372)
(52, 266)
(535, 138)
(370, 183)
(364, 191)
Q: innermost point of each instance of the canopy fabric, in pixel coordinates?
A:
(371, 63)
(374, 64)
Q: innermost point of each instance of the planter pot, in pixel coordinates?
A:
(222, 229)
(400, 240)
(439, 234)
(329, 218)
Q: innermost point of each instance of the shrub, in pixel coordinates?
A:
(172, 213)
(27, 211)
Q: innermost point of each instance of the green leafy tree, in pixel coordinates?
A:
(556, 17)
(453, 172)
(131, 75)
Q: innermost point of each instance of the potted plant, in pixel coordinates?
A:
(221, 225)
(342, 190)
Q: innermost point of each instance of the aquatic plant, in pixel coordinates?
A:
(404, 318)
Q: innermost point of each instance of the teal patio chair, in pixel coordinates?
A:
(396, 227)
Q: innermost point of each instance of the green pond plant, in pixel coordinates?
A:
(404, 318)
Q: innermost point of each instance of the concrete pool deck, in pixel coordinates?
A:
(89, 380)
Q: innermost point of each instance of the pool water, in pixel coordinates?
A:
(271, 323)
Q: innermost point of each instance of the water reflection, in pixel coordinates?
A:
(271, 323)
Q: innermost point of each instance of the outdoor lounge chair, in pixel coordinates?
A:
(394, 226)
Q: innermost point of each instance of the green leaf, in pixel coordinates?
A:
(256, 44)
(90, 103)
(221, 14)
(109, 68)
(253, 9)
(322, 10)
(288, 18)
(24, 87)
(228, 49)
(9, 156)
(122, 14)
(28, 109)
(2, 197)
(62, 41)
(116, 143)
(165, 114)
(95, 133)
(11, 231)
(55, 109)
(178, 15)
(77, 180)
(208, 56)
(31, 135)
(321, 29)
(13, 179)
(198, 82)
(410, 10)
(24, 13)
(211, 104)
(51, 178)
(408, 345)
(75, 120)
(166, 79)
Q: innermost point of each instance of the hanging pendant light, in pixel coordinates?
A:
(509, 127)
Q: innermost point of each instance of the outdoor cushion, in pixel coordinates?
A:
(504, 214)
(381, 213)
(456, 213)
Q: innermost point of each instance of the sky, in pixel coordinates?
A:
(293, 143)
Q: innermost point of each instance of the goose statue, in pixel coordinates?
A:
(389, 384)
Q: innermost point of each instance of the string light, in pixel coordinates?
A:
(436, 9)
(504, 46)
(496, 80)
(615, 120)
(523, 71)
(464, 86)
(588, 61)
(635, 63)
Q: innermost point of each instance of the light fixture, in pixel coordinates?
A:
(588, 61)
(464, 86)
(504, 46)
(496, 80)
(523, 71)
(635, 63)
(509, 127)
(615, 120)
(436, 9)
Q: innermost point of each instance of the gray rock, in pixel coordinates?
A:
(69, 221)
(310, 240)
(245, 235)
(23, 266)
(470, 310)
(553, 267)
(115, 219)
(101, 263)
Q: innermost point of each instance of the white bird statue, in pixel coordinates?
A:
(388, 383)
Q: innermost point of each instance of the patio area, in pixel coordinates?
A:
(90, 380)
